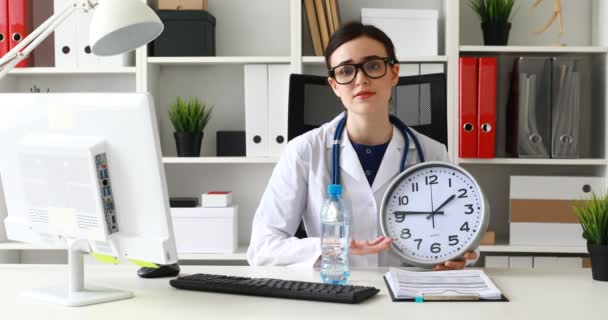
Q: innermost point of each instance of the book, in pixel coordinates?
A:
(322, 19)
(470, 284)
(214, 199)
(313, 25)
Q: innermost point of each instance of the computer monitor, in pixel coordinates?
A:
(84, 171)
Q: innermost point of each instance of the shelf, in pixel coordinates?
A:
(215, 60)
(52, 71)
(574, 162)
(221, 160)
(239, 255)
(405, 59)
(25, 246)
(532, 249)
(534, 49)
(241, 252)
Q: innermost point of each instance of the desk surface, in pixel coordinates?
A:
(534, 295)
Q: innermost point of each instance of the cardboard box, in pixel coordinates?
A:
(489, 238)
(183, 5)
(413, 32)
(205, 230)
(520, 262)
(497, 262)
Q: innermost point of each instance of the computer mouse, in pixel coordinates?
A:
(167, 270)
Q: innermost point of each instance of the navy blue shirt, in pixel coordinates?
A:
(370, 158)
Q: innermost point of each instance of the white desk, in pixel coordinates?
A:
(533, 294)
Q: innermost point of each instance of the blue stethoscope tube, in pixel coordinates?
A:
(405, 132)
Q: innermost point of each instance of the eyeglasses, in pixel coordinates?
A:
(374, 68)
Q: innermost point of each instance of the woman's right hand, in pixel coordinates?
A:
(363, 247)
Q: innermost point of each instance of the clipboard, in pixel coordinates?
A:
(503, 298)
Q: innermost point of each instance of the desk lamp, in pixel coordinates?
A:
(117, 26)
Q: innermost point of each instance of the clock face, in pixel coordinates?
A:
(434, 211)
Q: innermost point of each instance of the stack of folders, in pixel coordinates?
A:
(471, 284)
(477, 104)
(544, 107)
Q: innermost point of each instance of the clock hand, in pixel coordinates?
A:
(448, 200)
(417, 212)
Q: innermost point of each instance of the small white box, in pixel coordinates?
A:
(497, 262)
(216, 199)
(569, 263)
(520, 262)
(413, 32)
(205, 230)
(545, 263)
(541, 209)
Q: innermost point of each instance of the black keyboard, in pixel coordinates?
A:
(275, 288)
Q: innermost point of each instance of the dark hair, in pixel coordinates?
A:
(356, 29)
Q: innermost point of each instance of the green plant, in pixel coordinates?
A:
(189, 116)
(493, 11)
(593, 216)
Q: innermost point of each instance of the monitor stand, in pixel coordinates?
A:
(75, 294)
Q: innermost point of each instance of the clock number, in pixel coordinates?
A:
(404, 200)
(405, 234)
(419, 242)
(471, 210)
(450, 182)
(399, 217)
(453, 240)
(465, 227)
(436, 248)
(463, 193)
(415, 187)
(432, 179)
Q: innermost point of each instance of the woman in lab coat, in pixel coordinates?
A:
(363, 70)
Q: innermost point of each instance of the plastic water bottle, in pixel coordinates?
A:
(335, 241)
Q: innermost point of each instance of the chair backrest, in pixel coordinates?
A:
(420, 101)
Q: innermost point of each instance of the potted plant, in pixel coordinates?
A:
(593, 216)
(189, 119)
(495, 18)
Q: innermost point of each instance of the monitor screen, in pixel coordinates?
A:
(84, 171)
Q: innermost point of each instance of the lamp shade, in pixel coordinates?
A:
(119, 26)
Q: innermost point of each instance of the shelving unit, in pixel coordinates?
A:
(247, 34)
(534, 49)
(51, 71)
(402, 59)
(189, 61)
(520, 161)
(220, 160)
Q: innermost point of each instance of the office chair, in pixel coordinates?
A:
(420, 101)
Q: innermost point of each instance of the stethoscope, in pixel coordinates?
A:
(405, 132)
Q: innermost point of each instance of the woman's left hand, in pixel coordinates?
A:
(456, 264)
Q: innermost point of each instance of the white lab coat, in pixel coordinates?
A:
(297, 190)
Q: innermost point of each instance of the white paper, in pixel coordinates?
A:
(459, 283)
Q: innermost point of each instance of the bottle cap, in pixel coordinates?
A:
(334, 189)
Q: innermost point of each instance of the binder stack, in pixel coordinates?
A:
(3, 27)
(18, 25)
(477, 101)
(565, 108)
(530, 108)
(544, 107)
(72, 47)
(266, 102)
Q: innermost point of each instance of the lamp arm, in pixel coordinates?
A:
(27, 45)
